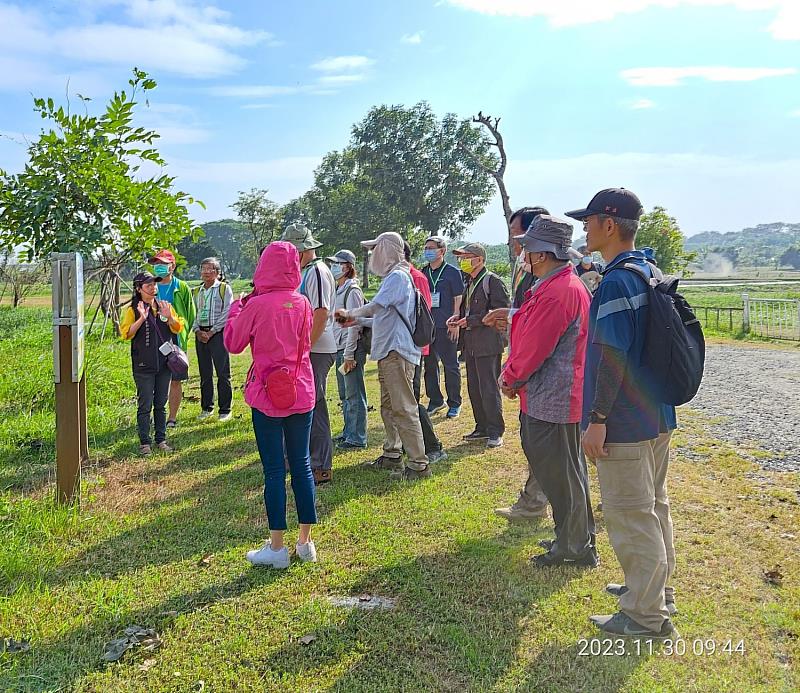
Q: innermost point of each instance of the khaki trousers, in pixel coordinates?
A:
(399, 411)
(636, 510)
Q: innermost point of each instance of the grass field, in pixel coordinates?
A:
(160, 543)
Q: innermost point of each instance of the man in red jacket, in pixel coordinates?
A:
(545, 368)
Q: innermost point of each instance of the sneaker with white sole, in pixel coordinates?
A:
(436, 456)
(307, 552)
(622, 624)
(204, 415)
(267, 557)
(495, 442)
(225, 417)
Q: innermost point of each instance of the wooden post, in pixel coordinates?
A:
(70, 424)
(746, 313)
(72, 442)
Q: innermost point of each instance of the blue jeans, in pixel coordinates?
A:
(353, 395)
(270, 435)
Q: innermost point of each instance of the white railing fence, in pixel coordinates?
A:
(778, 318)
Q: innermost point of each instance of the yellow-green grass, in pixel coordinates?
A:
(471, 613)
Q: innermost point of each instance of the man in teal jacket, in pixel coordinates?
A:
(178, 293)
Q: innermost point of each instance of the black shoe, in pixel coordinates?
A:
(549, 560)
(476, 435)
(547, 544)
(433, 408)
(408, 474)
(347, 445)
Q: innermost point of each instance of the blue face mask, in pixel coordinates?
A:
(337, 270)
(587, 259)
(430, 254)
(161, 270)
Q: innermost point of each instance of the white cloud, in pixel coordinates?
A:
(174, 36)
(341, 79)
(343, 63)
(786, 25)
(676, 76)
(642, 104)
(413, 39)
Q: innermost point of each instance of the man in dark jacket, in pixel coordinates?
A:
(483, 346)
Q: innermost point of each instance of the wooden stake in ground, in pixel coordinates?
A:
(72, 445)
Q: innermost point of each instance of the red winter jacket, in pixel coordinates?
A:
(548, 348)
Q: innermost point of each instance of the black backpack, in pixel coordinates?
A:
(424, 328)
(674, 347)
(365, 338)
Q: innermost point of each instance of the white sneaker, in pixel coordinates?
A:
(205, 415)
(307, 553)
(495, 442)
(266, 556)
(225, 417)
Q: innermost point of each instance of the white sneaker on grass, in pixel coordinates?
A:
(205, 415)
(495, 442)
(307, 552)
(267, 557)
(225, 417)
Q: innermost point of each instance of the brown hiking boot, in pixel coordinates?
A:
(383, 462)
(322, 476)
(517, 513)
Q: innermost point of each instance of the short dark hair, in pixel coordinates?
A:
(527, 215)
(407, 250)
(627, 227)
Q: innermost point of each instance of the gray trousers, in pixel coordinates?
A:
(484, 393)
(321, 443)
(552, 452)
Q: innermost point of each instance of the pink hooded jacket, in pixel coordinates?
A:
(271, 320)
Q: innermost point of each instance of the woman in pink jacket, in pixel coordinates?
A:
(275, 320)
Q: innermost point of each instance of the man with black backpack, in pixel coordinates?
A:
(398, 318)
(622, 418)
(482, 346)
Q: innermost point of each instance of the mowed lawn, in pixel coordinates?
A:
(160, 543)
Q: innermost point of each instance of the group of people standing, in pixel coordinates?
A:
(574, 363)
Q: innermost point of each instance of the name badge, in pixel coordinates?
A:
(435, 300)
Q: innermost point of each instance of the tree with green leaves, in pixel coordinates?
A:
(432, 172)
(659, 231)
(260, 216)
(94, 184)
(790, 257)
(227, 239)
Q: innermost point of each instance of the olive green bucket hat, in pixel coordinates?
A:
(299, 235)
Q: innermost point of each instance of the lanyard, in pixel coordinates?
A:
(305, 273)
(473, 284)
(438, 276)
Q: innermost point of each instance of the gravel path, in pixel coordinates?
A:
(757, 391)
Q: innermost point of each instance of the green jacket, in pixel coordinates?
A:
(184, 306)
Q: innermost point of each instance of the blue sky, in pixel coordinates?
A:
(693, 104)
